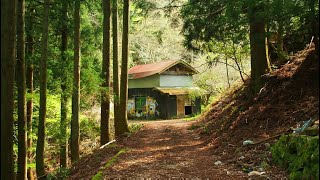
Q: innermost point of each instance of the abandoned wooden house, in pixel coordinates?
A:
(162, 90)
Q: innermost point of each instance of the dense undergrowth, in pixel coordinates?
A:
(299, 155)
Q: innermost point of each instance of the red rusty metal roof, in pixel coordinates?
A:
(145, 70)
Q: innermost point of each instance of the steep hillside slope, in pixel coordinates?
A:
(290, 96)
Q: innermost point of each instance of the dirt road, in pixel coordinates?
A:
(167, 149)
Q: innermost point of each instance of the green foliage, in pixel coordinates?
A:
(61, 173)
(98, 176)
(192, 117)
(299, 155)
(153, 37)
(193, 127)
(205, 129)
(89, 128)
(115, 158)
(134, 128)
(112, 160)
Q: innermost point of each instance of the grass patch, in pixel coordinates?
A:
(115, 158)
(193, 127)
(133, 128)
(99, 175)
(192, 118)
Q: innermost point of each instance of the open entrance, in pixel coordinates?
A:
(187, 110)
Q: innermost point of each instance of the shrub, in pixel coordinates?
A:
(299, 155)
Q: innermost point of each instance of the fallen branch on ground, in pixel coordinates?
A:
(272, 137)
(107, 144)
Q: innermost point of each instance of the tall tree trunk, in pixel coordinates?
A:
(75, 130)
(259, 51)
(21, 85)
(116, 90)
(8, 38)
(29, 82)
(105, 94)
(123, 122)
(64, 93)
(40, 168)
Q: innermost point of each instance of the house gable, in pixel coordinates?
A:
(179, 69)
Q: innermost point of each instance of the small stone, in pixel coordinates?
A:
(255, 173)
(247, 142)
(260, 169)
(217, 163)
(267, 145)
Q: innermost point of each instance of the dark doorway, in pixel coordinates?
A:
(188, 110)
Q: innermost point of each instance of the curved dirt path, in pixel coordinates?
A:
(167, 149)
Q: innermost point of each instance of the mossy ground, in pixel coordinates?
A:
(299, 155)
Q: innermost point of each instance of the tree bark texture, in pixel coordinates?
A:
(75, 129)
(116, 90)
(105, 93)
(64, 93)
(21, 86)
(8, 39)
(122, 126)
(40, 167)
(259, 53)
(29, 84)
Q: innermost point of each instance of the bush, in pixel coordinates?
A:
(299, 155)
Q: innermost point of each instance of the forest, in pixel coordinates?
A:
(64, 89)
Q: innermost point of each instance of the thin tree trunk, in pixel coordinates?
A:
(29, 118)
(64, 93)
(8, 38)
(40, 168)
(29, 82)
(259, 53)
(21, 85)
(123, 123)
(105, 94)
(236, 60)
(240, 71)
(227, 72)
(75, 130)
(116, 91)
